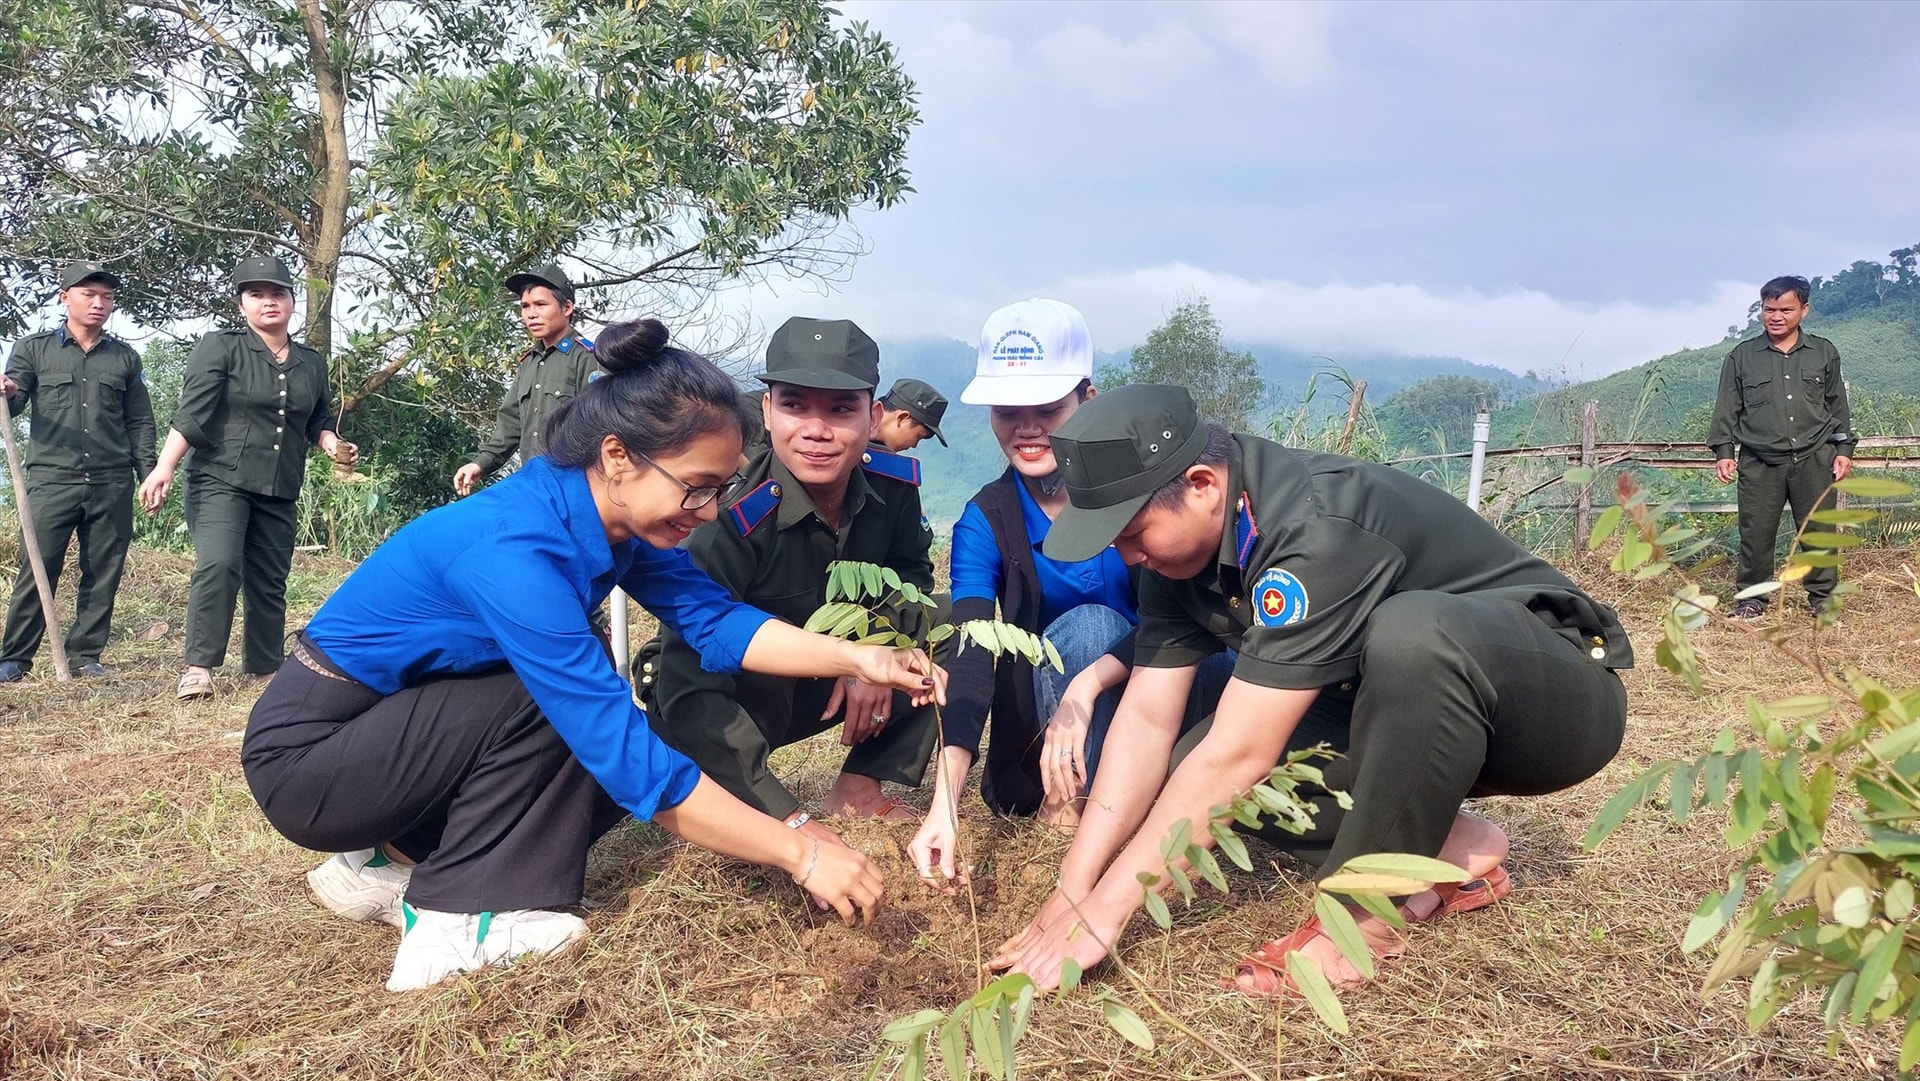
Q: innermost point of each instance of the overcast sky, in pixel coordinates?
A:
(1567, 188)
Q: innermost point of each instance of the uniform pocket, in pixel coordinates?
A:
(1756, 392)
(56, 391)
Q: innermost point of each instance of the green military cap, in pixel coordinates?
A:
(922, 403)
(1115, 452)
(261, 269)
(830, 354)
(81, 270)
(549, 275)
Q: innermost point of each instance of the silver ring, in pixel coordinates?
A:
(1066, 754)
(879, 718)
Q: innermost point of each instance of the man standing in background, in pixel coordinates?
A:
(909, 413)
(91, 439)
(1783, 403)
(552, 370)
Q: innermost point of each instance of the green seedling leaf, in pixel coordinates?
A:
(1910, 1040)
(911, 1027)
(1652, 570)
(1623, 802)
(1896, 743)
(1604, 526)
(986, 1042)
(1758, 590)
(1391, 885)
(1853, 907)
(1127, 1024)
(1380, 907)
(1801, 705)
(871, 578)
(1578, 475)
(1069, 976)
(1714, 913)
(1801, 562)
(1898, 899)
(1848, 516)
(1422, 868)
(1874, 972)
(1874, 487)
(892, 578)
(953, 1043)
(1313, 986)
(1209, 868)
(1831, 540)
(1344, 933)
(1157, 909)
(940, 634)
(1053, 656)
(1230, 843)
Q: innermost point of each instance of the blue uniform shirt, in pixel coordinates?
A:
(977, 568)
(510, 574)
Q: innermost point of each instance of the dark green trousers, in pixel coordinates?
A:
(242, 542)
(101, 516)
(1459, 696)
(1763, 486)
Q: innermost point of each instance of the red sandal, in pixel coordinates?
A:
(1270, 959)
(1467, 896)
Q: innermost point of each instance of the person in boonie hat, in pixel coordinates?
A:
(911, 411)
(1034, 370)
(1369, 610)
(817, 492)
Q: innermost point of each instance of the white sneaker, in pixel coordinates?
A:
(436, 945)
(361, 886)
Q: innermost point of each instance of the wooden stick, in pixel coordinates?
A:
(31, 545)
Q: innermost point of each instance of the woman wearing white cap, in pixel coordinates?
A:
(1034, 368)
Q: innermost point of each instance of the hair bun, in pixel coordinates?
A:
(631, 346)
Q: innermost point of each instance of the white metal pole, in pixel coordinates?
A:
(1482, 426)
(617, 614)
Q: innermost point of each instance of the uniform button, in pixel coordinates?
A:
(283, 412)
(866, 459)
(283, 375)
(276, 446)
(1789, 397)
(1347, 686)
(277, 431)
(1598, 653)
(1233, 602)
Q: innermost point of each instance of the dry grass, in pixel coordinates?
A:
(152, 925)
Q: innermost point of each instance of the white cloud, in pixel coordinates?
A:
(1519, 330)
(1087, 58)
(974, 62)
(1288, 41)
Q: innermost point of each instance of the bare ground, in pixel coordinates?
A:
(153, 926)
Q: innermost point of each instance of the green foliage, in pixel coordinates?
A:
(1434, 412)
(1835, 914)
(1186, 351)
(1310, 427)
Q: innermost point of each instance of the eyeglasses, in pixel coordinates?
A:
(695, 498)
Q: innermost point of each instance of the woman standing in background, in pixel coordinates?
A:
(251, 401)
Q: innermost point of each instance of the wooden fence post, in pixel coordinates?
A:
(1583, 513)
(1353, 415)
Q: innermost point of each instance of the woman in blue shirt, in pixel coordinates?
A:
(452, 727)
(1034, 368)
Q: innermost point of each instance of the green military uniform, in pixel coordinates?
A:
(249, 418)
(1449, 660)
(770, 549)
(921, 401)
(91, 437)
(545, 378)
(1788, 413)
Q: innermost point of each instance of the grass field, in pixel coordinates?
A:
(153, 926)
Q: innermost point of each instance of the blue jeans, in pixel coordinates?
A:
(1085, 634)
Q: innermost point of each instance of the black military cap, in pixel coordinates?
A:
(549, 275)
(1115, 452)
(922, 403)
(83, 270)
(261, 270)
(830, 354)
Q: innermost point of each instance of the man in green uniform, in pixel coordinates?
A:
(1783, 403)
(909, 413)
(1368, 609)
(92, 436)
(818, 494)
(552, 370)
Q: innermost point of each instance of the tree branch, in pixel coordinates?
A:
(200, 21)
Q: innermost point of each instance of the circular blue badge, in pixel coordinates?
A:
(595, 374)
(1278, 598)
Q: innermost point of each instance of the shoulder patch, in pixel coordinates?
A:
(1245, 531)
(883, 462)
(1278, 598)
(587, 342)
(752, 509)
(597, 373)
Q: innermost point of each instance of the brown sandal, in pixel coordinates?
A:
(1270, 960)
(193, 685)
(1467, 896)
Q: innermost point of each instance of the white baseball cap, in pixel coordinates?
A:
(1031, 352)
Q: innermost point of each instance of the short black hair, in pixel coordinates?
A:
(654, 398)
(1785, 284)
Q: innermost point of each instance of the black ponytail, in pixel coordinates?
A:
(653, 397)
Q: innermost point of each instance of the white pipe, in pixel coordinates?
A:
(617, 615)
(1482, 426)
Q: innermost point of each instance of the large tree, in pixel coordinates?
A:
(1186, 350)
(403, 156)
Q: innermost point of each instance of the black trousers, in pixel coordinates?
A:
(464, 775)
(1458, 696)
(100, 516)
(242, 541)
(1763, 486)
